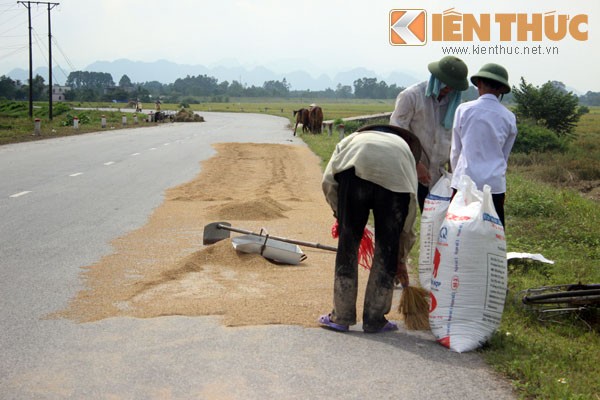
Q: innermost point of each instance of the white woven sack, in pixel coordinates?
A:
(469, 278)
(434, 212)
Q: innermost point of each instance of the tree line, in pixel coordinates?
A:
(100, 86)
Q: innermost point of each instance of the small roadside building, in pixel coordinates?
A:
(58, 92)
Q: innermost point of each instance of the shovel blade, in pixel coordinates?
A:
(213, 233)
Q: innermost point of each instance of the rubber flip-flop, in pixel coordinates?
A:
(388, 327)
(325, 321)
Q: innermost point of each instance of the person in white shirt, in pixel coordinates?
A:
(427, 110)
(483, 135)
(371, 169)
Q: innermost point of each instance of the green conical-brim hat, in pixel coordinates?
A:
(452, 71)
(494, 72)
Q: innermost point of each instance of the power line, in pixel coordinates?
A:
(69, 63)
(27, 4)
(16, 23)
(40, 45)
(15, 51)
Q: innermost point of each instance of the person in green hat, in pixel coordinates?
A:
(427, 110)
(483, 135)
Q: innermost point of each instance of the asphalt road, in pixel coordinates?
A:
(63, 200)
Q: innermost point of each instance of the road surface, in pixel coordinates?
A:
(62, 201)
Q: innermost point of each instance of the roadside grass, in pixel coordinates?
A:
(556, 358)
(16, 126)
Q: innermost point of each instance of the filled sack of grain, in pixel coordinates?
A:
(469, 277)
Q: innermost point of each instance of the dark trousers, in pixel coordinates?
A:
(498, 200)
(422, 192)
(356, 197)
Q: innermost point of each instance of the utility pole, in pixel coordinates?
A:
(28, 4)
(50, 7)
(30, 61)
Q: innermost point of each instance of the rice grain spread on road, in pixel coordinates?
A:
(163, 269)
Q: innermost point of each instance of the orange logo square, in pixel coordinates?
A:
(408, 27)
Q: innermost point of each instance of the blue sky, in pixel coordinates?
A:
(325, 36)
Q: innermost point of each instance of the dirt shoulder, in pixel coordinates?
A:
(163, 269)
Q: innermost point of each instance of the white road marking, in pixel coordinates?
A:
(76, 174)
(153, 148)
(109, 163)
(166, 144)
(135, 154)
(20, 194)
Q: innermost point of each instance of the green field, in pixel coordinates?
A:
(551, 208)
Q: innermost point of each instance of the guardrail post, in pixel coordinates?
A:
(37, 127)
(103, 121)
(124, 120)
(341, 129)
(75, 123)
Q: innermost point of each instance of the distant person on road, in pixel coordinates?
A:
(483, 135)
(371, 169)
(427, 110)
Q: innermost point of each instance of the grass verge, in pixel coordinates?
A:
(16, 126)
(555, 357)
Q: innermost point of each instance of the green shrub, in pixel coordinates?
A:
(535, 138)
(83, 119)
(583, 110)
(60, 109)
(549, 105)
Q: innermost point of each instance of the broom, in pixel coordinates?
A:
(414, 308)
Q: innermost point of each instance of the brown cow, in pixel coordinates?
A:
(301, 118)
(315, 116)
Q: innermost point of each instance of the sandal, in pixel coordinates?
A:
(325, 321)
(388, 327)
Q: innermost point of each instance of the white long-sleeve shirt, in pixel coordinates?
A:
(381, 158)
(483, 135)
(423, 116)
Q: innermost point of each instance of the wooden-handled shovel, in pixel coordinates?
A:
(217, 231)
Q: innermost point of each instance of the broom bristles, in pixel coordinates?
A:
(414, 308)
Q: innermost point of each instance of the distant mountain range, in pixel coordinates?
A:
(167, 72)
